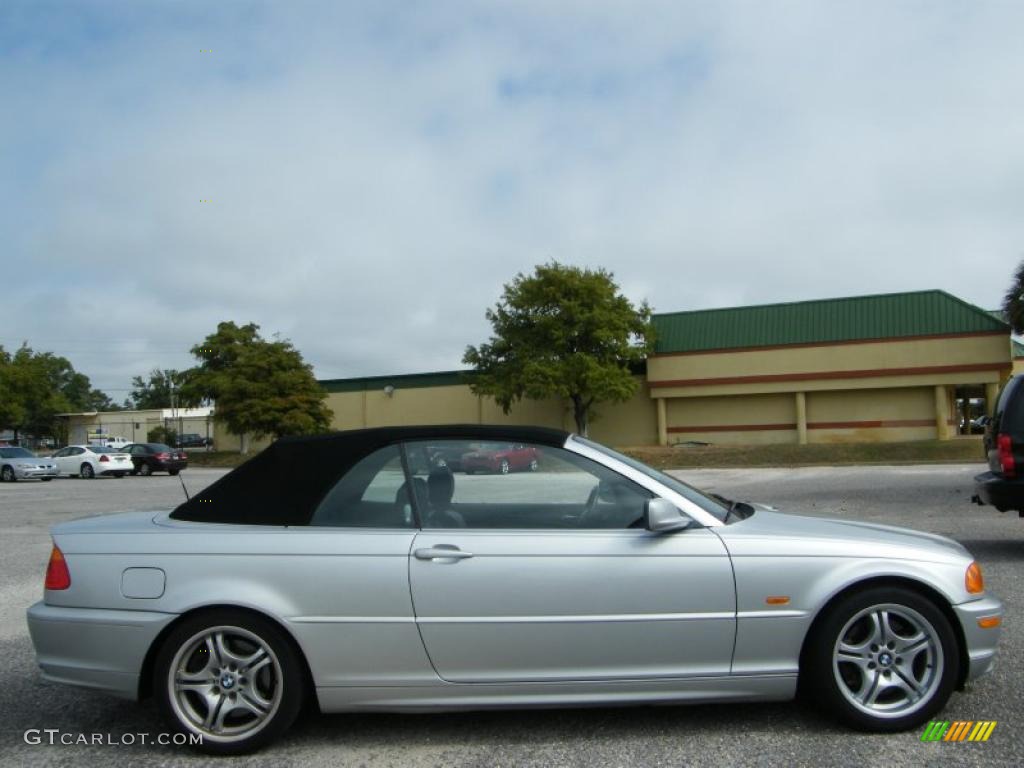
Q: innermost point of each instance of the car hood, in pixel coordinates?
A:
(768, 531)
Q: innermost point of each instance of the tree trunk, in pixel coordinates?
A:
(579, 414)
(243, 448)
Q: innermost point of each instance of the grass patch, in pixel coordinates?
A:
(959, 450)
(226, 459)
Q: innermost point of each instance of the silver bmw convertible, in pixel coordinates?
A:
(358, 572)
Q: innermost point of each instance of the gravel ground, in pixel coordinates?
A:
(931, 498)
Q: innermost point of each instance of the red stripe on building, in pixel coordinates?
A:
(869, 373)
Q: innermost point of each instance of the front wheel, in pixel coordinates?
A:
(172, 471)
(504, 468)
(885, 659)
(7, 474)
(232, 678)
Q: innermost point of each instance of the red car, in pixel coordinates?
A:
(501, 457)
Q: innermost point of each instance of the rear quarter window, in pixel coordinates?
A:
(1009, 409)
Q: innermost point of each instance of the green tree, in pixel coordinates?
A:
(1013, 302)
(259, 387)
(12, 410)
(36, 386)
(562, 332)
(156, 391)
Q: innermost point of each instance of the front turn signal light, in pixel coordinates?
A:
(973, 580)
(57, 574)
(989, 622)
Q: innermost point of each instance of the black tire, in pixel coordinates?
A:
(87, 472)
(830, 677)
(7, 474)
(119, 475)
(46, 479)
(173, 471)
(504, 467)
(534, 465)
(145, 470)
(287, 677)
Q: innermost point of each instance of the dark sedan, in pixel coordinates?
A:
(148, 458)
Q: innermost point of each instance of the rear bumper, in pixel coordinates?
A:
(93, 648)
(981, 643)
(167, 466)
(997, 491)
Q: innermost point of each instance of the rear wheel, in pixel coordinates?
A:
(172, 471)
(534, 465)
(7, 474)
(145, 470)
(87, 472)
(504, 466)
(882, 660)
(232, 678)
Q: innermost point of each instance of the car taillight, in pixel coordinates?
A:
(57, 574)
(104, 457)
(163, 456)
(182, 455)
(1004, 445)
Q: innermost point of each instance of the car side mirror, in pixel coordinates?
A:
(663, 516)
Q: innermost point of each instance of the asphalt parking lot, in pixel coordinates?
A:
(932, 498)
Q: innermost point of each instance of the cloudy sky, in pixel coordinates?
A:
(375, 171)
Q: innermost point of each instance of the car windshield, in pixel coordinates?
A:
(16, 453)
(703, 500)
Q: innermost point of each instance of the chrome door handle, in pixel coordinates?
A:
(441, 553)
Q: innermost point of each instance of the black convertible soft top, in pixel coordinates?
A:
(283, 484)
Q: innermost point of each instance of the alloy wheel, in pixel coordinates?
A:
(225, 683)
(888, 661)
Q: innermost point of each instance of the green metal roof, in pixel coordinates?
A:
(400, 381)
(1018, 349)
(883, 316)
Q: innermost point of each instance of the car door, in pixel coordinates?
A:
(546, 576)
(69, 460)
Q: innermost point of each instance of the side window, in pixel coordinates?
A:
(480, 485)
(372, 494)
(77, 451)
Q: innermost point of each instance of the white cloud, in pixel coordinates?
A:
(376, 174)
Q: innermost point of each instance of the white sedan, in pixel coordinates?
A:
(87, 461)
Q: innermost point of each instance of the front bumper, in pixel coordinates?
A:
(29, 473)
(94, 648)
(981, 643)
(997, 491)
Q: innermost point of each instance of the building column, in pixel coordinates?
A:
(365, 410)
(991, 395)
(801, 418)
(662, 421)
(941, 413)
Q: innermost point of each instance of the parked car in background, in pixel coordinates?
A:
(499, 457)
(88, 461)
(192, 440)
(147, 458)
(18, 463)
(328, 566)
(1003, 485)
(116, 442)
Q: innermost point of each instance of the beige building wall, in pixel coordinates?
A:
(131, 425)
(848, 392)
(631, 423)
